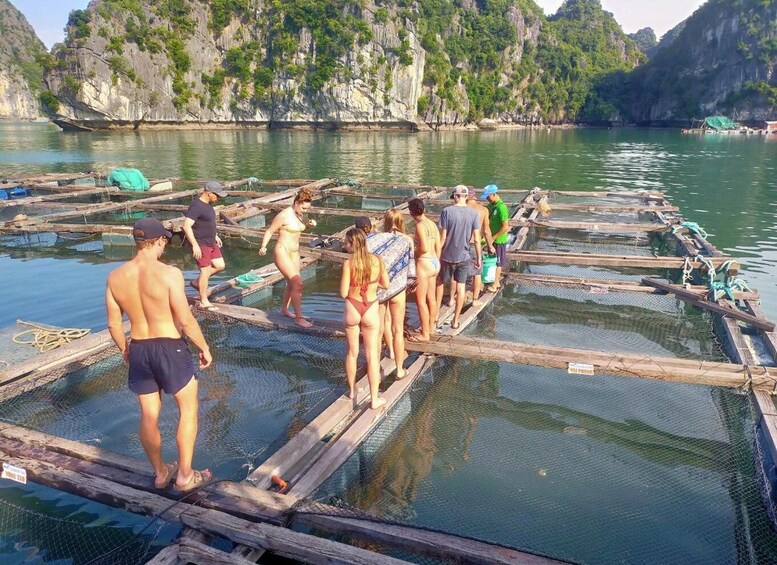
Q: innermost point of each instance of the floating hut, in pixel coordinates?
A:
(617, 390)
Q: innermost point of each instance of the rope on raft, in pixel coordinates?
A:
(45, 339)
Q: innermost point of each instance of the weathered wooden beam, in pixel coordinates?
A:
(287, 543)
(251, 553)
(602, 194)
(652, 367)
(53, 177)
(420, 541)
(348, 441)
(22, 228)
(168, 556)
(191, 551)
(237, 499)
(695, 300)
(113, 206)
(284, 542)
(57, 197)
(555, 258)
(275, 320)
(591, 226)
(769, 338)
(608, 208)
(609, 285)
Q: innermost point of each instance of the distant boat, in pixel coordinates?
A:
(70, 125)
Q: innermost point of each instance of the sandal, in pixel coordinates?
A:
(198, 479)
(455, 325)
(172, 471)
(209, 308)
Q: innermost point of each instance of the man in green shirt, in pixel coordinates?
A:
(499, 221)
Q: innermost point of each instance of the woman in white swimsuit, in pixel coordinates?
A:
(289, 225)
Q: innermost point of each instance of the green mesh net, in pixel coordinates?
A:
(591, 469)
(41, 525)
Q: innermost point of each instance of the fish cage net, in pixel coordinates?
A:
(643, 244)
(596, 469)
(601, 217)
(41, 525)
(263, 388)
(78, 242)
(617, 322)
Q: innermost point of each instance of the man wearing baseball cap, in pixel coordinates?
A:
(499, 221)
(200, 229)
(459, 225)
(152, 296)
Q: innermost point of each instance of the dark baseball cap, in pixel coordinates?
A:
(363, 222)
(215, 188)
(149, 228)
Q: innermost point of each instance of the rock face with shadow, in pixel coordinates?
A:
(723, 59)
(21, 72)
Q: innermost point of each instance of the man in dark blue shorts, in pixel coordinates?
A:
(459, 225)
(152, 295)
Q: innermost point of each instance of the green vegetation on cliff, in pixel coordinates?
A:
(722, 60)
(21, 52)
(645, 39)
(500, 59)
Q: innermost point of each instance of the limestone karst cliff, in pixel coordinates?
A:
(137, 63)
(21, 74)
(723, 60)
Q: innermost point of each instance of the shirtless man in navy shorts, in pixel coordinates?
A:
(152, 295)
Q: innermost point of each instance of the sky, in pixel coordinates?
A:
(48, 17)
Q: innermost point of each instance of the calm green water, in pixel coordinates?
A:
(726, 184)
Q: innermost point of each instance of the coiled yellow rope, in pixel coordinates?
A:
(45, 339)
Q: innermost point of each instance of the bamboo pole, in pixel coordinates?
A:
(554, 258)
(607, 285)
(694, 299)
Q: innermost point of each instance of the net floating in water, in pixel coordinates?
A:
(247, 279)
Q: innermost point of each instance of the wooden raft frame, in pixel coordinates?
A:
(743, 374)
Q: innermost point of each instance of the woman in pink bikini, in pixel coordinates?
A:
(363, 273)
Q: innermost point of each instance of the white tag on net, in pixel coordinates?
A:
(580, 369)
(14, 473)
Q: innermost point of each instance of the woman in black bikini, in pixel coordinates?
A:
(363, 273)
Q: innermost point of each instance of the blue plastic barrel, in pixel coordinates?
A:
(488, 275)
(19, 192)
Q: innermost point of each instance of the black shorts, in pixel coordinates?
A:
(458, 271)
(501, 255)
(159, 363)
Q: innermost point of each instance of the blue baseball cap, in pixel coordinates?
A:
(488, 191)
